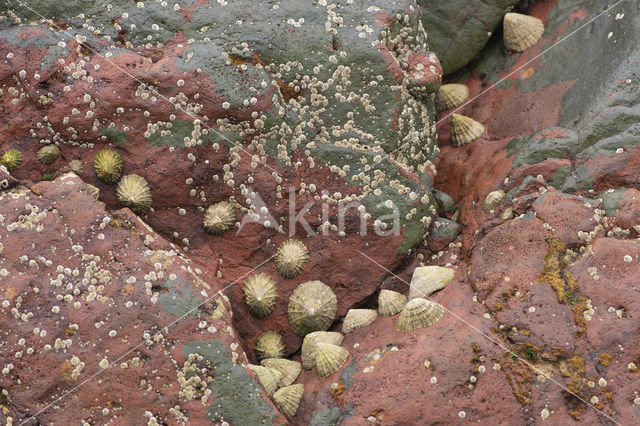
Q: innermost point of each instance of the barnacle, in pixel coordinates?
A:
(269, 345)
(329, 358)
(12, 159)
(357, 318)
(521, 31)
(419, 313)
(108, 166)
(288, 398)
(269, 377)
(310, 345)
(76, 166)
(219, 217)
(291, 258)
(451, 96)
(464, 130)
(133, 192)
(48, 154)
(429, 279)
(312, 307)
(390, 302)
(290, 369)
(260, 295)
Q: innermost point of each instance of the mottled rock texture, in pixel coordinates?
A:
(541, 317)
(459, 29)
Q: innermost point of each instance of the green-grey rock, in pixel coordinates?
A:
(459, 29)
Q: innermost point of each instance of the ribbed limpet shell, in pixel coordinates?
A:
(419, 313)
(291, 258)
(288, 398)
(219, 217)
(451, 96)
(290, 369)
(108, 166)
(134, 192)
(521, 31)
(329, 358)
(260, 295)
(48, 154)
(357, 318)
(390, 302)
(269, 377)
(429, 279)
(310, 345)
(269, 345)
(312, 307)
(12, 159)
(464, 130)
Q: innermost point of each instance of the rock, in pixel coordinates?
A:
(308, 146)
(443, 232)
(569, 216)
(459, 29)
(493, 199)
(74, 277)
(429, 279)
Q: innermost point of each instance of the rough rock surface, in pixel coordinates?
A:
(459, 29)
(89, 293)
(541, 323)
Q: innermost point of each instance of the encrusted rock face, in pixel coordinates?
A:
(75, 277)
(314, 119)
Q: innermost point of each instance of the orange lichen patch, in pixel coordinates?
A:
(519, 376)
(574, 368)
(527, 73)
(338, 391)
(581, 305)
(604, 359)
(69, 331)
(67, 370)
(9, 293)
(127, 290)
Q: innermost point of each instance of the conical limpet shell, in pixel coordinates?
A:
(219, 217)
(12, 159)
(312, 307)
(108, 166)
(291, 258)
(288, 398)
(419, 313)
(357, 318)
(521, 31)
(269, 377)
(310, 345)
(48, 154)
(451, 96)
(329, 358)
(464, 130)
(390, 302)
(134, 192)
(429, 279)
(269, 345)
(76, 167)
(290, 369)
(260, 295)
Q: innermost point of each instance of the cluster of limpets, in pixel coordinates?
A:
(132, 190)
(312, 310)
(520, 33)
